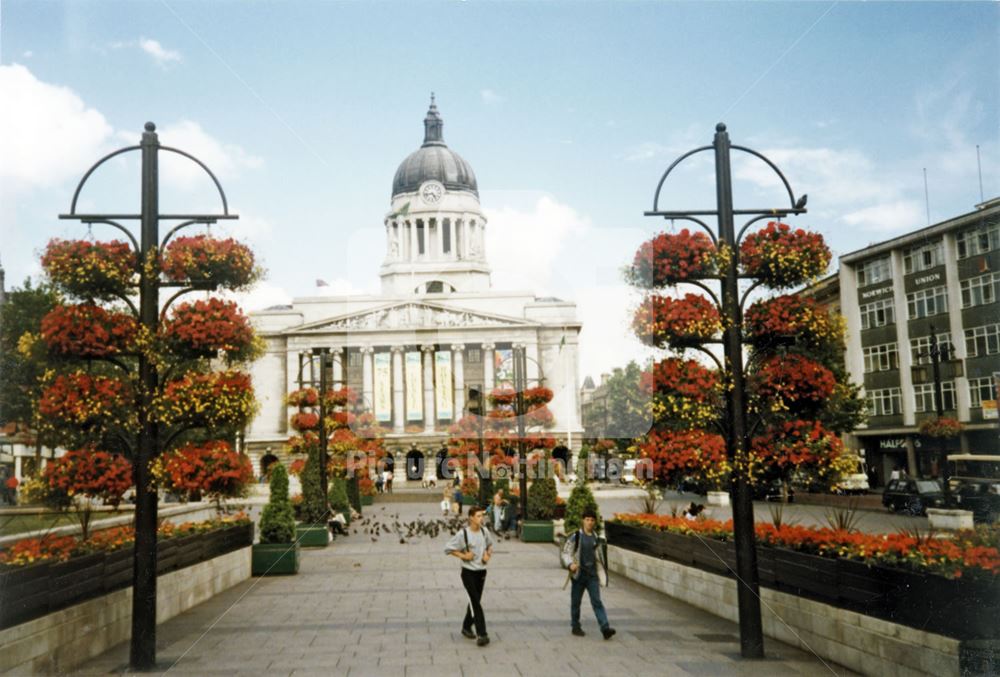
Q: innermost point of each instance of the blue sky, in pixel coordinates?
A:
(568, 112)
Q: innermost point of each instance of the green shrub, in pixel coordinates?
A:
(580, 499)
(339, 501)
(353, 493)
(542, 499)
(313, 502)
(277, 522)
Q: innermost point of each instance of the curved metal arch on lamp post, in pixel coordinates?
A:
(748, 588)
(147, 444)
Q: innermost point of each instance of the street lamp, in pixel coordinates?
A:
(324, 359)
(939, 353)
(475, 405)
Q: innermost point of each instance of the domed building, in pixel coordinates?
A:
(437, 329)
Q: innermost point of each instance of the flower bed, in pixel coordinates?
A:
(947, 586)
(42, 575)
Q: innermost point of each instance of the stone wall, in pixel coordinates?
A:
(64, 639)
(867, 645)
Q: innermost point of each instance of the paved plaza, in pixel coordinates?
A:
(381, 607)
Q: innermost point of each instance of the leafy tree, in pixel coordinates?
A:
(628, 406)
(580, 499)
(277, 521)
(542, 499)
(339, 501)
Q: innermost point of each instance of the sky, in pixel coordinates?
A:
(568, 112)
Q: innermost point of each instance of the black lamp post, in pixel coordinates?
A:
(148, 444)
(475, 405)
(939, 353)
(736, 432)
(520, 384)
(324, 361)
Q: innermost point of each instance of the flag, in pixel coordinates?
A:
(322, 283)
(403, 211)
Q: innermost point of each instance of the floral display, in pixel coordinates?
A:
(942, 427)
(82, 399)
(211, 399)
(304, 420)
(968, 552)
(366, 487)
(90, 473)
(300, 444)
(306, 397)
(90, 269)
(668, 259)
(662, 320)
(203, 328)
(87, 330)
(200, 258)
(788, 318)
(785, 382)
(212, 468)
(684, 393)
(502, 396)
(30, 550)
(783, 257)
(686, 452)
(791, 444)
(536, 397)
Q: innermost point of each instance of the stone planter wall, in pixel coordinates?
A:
(62, 640)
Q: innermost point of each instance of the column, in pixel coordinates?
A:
(414, 249)
(337, 356)
(488, 349)
(458, 365)
(441, 225)
(532, 363)
(397, 390)
(428, 358)
(368, 377)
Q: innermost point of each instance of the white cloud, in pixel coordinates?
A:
(225, 160)
(162, 57)
(262, 295)
(888, 217)
(27, 54)
(47, 132)
(490, 96)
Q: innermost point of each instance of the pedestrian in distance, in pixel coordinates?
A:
(458, 501)
(387, 479)
(446, 503)
(379, 482)
(584, 558)
(474, 546)
(500, 516)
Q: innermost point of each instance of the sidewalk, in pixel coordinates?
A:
(361, 607)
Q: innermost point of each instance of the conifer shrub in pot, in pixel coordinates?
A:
(278, 551)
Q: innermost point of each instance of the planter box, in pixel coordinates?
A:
(720, 498)
(803, 574)
(470, 500)
(312, 537)
(537, 531)
(75, 580)
(25, 593)
(559, 512)
(275, 559)
(118, 569)
(367, 500)
(715, 556)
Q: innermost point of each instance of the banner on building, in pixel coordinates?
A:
(443, 389)
(503, 365)
(383, 386)
(414, 387)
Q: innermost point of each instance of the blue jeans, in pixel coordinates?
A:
(593, 588)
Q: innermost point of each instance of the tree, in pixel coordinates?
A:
(628, 406)
(580, 499)
(277, 522)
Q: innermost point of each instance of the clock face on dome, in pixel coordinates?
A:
(432, 192)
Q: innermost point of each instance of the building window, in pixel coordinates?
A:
(354, 359)
(474, 356)
(881, 358)
(884, 402)
(873, 271)
(927, 302)
(920, 348)
(877, 314)
(420, 237)
(979, 291)
(983, 340)
(923, 257)
(446, 237)
(981, 389)
(923, 394)
(978, 240)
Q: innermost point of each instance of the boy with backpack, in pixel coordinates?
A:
(584, 558)
(474, 546)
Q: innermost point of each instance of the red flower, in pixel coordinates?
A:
(206, 327)
(792, 379)
(792, 444)
(90, 269)
(678, 453)
(89, 472)
(663, 320)
(668, 259)
(87, 330)
(784, 318)
(210, 468)
(783, 257)
(201, 258)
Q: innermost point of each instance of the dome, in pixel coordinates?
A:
(434, 161)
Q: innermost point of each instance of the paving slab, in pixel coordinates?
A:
(382, 607)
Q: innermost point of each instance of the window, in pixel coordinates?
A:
(983, 340)
(978, 240)
(474, 356)
(923, 257)
(884, 402)
(920, 348)
(924, 397)
(873, 271)
(420, 237)
(927, 302)
(981, 290)
(881, 358)
(877, 314)
(981, 389)
(446, 237)
(354, 359)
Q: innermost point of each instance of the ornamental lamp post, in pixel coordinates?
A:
(324, 359)
(736, 431)
(474, 405)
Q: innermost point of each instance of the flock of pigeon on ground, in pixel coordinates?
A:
(389, 525)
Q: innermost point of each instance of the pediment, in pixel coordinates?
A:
(410, 316)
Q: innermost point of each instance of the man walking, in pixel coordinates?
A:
(585, 561)
(474, 546)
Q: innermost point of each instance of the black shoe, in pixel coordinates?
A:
(608, 632)
(483, 641)
(468, 633)
(579, 632)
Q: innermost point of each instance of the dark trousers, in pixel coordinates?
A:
(474, 582)
(593, 588)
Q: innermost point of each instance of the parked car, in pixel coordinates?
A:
(982, 497)
(913, 496)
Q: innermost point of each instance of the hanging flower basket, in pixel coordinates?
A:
(205, 327)
(791, 381)
(90, 269)
(502, 396)
(212, 469)
(212, 399)
(301, 444)
(79, 399)
(668, 259)
(541, 416)
(942, 427)
(88, 472)
(343, 397)
(679, 454)
(307, 397)
(791, 319)
(684, 393)
(304, 420)
(534, 397)
(88, 331)
(783, 257)
(792, 444)
(204, 259)
(662, 320)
